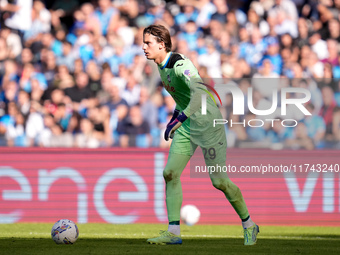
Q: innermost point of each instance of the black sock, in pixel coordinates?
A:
(175, 222)
(243, 220)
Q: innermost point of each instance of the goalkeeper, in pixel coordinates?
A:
(181, 79)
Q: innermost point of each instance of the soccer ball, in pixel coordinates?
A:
(64, 232)
(190, 214)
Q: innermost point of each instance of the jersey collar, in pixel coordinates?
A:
(165, 61)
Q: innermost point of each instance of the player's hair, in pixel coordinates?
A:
(161, 33)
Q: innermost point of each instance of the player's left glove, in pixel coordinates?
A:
(173, 126)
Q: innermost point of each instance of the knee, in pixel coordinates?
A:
(219, 184)
(223, 185)
(169, 175)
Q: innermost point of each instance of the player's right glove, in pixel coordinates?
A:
(174, 125)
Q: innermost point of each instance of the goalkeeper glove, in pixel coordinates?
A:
(174, 125)
(174, 116)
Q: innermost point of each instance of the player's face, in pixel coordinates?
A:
(152, 49)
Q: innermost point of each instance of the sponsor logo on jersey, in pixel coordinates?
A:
(169, 88)
(187, 72)
(169, 79)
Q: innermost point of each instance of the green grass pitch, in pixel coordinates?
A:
(30, 238)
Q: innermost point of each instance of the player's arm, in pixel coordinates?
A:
(187, 72)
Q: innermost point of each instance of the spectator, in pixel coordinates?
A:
(63, 79)
(15, 132)
(153, 13)
(211, 59)
(24, 102)
(221, 11)
(189, 13)
(9, 93)
(68, 56)
(254, 134)
(284, 24)
(99, 116)
(130, 9)
(74, 124)
(62, 12)
(4, 52)
(20, 18)
(170, 22)
(9, 118)
(334, 29)
(303, 30)
(315, 126)
(315, 67)
(13, 42)
(10, 72)
(148, 109)
(326, 111)
(46, 133)
(301, 138)
(50, 68)
(131, 93)
(318, 45)
(333, 54)
(121, 56)
(34, 124)
(190, 35)
(273, 55)
(94, 77)
(206, 10)
(50, 42)
(28, 75)
(108, 16)
(336, 123)
(215, 29)
(288, 7)
(224, 45)
(80, 92)
(254, 20)
(98, 54)
(91, 21)
(87, 137)
(125, 32)
(43, 15)
(62, 116)
(39, 26)
(60, 139)
(78, 67)
(118, 109)
(253, 51)
(134, 130)
(26, 56)
(280, 134)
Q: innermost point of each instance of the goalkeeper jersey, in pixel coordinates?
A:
(181, 79)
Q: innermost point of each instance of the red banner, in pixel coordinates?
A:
(127, 186)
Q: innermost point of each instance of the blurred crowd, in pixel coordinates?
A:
(73, 73)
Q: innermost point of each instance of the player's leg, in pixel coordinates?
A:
(174, 196)
(179, 155)
(232, 192)
(221, 181)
